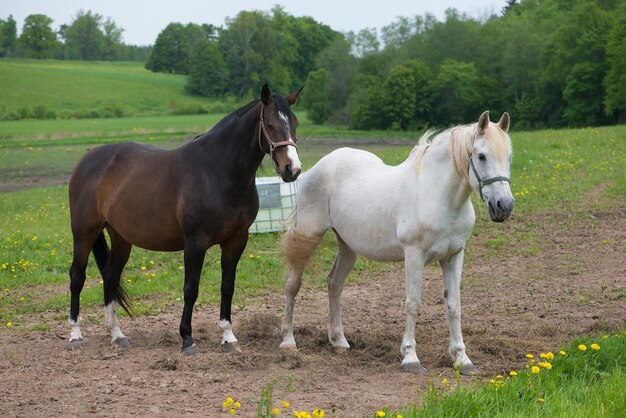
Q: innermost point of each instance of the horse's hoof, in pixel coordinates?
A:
(190, 351)
(233, 347)
(122, 342)
(76, 344)
(413, 367)
(341, 350)
(288, 348)
(470, 370)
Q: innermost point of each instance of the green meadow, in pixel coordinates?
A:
(51, 89)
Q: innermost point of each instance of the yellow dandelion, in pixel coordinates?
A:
(399, 416)
(318, 413)
(499, 376)
(543, 355)
(9, 324)
(529, 356)
(550, 356)
(535, 370)
(513, 373)
(595, 346)
(604, 337)
(546, 365)
(285, 404)
(381, 413)
(582, 347)
(232, 411)
(492, 381)
(237, 404)
(276, 411)
(143, 267)
(444, 381)
(228, 402)
(563, 353)
(541, 400)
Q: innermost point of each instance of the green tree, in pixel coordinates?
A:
(316, 97)
(172, 49)
(458, 95)
(341, 65)
(247, 42)
(398, 100)
(8, 37)
(615, 80)
(113, 46)
(207, 71)
(85, 39)
(37, 39)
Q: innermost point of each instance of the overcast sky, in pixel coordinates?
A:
(142, 20)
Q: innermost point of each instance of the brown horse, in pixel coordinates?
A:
(189, 199)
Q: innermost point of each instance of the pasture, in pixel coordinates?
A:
(551, 273)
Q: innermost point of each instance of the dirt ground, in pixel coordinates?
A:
(515, 300)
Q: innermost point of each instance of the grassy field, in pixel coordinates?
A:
(50, 89)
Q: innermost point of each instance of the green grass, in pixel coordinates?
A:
(578, 383)
(569, 171)
(77, 89)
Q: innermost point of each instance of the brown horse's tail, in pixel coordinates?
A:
(102, 253)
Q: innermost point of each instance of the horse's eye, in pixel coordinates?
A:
(482, 157)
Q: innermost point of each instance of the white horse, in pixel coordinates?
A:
(418, 211)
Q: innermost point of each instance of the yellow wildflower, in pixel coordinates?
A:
(9, 324)
(550, 356)
(543, 355)
(582, 347)
(529, 356)
(237, 404)
(276, 411)
(535, 370)
(513, 373)
(499, 376)
(541, 400)
(232, 411)
(595, 346)
(285, 404)
(318, 413)
(380, 413)
(604, 337)
(228, 402)
(563, 353)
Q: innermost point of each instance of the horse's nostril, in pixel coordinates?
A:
(288, 168)
(499, 204)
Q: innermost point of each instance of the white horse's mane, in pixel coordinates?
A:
(461, 144)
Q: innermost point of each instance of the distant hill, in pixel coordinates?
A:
(49, 89)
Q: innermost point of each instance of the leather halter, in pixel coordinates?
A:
(271, 144)
(482, 183)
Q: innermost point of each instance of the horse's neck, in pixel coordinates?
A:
(234, 146)
(438, 174)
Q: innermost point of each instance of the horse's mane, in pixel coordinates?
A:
(461, 145)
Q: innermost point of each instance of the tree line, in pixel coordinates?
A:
(88, 37)
(550, 63)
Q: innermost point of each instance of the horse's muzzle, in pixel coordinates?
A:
(290, 174)
(501, 210)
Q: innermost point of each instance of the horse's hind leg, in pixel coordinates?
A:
(111, 275)
(336, 278)
(297, 249)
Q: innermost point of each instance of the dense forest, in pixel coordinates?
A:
(550, 63)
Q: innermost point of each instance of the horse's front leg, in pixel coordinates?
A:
(194, 257)
(414, 270)
(231, 253)
(452, 268)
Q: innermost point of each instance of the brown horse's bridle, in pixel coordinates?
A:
(271, 144)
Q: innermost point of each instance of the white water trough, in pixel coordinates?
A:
(276, 201)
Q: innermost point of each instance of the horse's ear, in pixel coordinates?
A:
(266, 95)
(483, 122)
(293, 97)
(505, 122)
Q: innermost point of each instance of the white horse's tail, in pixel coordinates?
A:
(296, 246)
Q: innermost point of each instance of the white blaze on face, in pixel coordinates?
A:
(291, 151)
